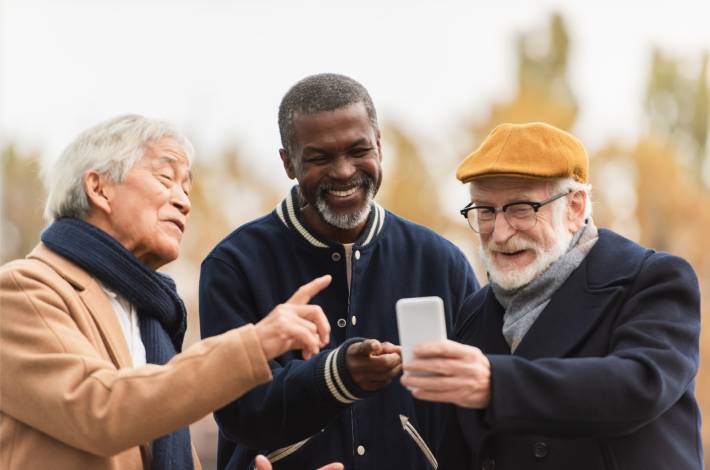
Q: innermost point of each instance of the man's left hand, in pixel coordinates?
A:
(457, 374)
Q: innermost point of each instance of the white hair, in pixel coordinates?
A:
(563, 185)
(111, 149)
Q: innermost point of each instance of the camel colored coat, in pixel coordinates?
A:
(69, 398)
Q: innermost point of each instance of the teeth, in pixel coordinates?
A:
(345, 193)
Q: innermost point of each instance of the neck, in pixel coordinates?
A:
(330, 232)
(104, 224)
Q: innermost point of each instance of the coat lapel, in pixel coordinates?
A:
(584, 298)
(100, 308)
(572, 312)
(95, 300)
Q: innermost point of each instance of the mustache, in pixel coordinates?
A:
(358, 180)
(512, 245)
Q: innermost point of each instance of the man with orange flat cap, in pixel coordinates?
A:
(582, 350)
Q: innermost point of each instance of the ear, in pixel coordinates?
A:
(99, 191)
(288, 164)
(575, 210)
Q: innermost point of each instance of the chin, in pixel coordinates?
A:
(511, 276)
(166, 254)
(343, 220)
(515, 278)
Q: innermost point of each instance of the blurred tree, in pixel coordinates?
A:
(677, 108)
(410, 188)
(544, 92)
(22, 203)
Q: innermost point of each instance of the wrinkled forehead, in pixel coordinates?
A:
(168, 150)
(495, 187)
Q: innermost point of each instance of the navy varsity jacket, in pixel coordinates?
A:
(312, 412)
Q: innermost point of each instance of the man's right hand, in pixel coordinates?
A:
(295, 324)
(373, 364)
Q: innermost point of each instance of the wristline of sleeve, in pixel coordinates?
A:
(333, 378)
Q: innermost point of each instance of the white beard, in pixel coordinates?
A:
(344, 221)
(516, 278)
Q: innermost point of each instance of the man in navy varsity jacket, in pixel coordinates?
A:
(581, 352)
(342, 404)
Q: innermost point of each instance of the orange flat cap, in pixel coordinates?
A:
(534, 150)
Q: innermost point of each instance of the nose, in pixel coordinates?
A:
(502, 230)
(181, 200)
(342, 168)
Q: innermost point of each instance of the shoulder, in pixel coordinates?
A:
(618, 260)
(32, 279)
(19, 270)
(247, 237)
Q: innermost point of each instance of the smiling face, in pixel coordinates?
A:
(514, 258)
(337, 164)
(147, 212)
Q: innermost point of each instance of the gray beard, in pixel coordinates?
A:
(345, 221)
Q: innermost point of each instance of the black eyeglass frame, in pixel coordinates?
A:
(533, 204)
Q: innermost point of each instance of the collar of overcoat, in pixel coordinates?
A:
(573, 311)
(95, 300)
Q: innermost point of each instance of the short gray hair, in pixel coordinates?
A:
(318, 93)
(111, 149)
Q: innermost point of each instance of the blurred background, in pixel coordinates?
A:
(630, 79)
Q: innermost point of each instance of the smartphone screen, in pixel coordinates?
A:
(419, 320)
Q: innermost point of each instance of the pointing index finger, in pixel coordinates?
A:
(306, 292)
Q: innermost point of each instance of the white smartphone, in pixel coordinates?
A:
(419, 320)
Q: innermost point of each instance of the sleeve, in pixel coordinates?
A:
(652, 362)
(302, 398)
(54, 380)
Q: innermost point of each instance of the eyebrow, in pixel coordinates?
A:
(167, 158)
(518, 198)
(309, 148)
(360, 142)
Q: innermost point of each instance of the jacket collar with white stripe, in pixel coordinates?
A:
(289, 213)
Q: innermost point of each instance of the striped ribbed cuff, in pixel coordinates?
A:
(333, 377)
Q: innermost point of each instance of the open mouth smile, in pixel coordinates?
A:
(343, 192)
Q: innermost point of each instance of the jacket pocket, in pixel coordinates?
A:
(419, 441)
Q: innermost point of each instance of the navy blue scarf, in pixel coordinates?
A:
(161, 312)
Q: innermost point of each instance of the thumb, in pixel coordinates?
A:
(262, 463)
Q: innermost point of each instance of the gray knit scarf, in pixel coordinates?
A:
(524, 305)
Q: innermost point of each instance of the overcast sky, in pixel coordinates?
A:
(219, 68)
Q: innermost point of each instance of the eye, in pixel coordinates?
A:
(360, 151)
(485, 213)
(317, 159)
(165, 179)
(520, 211)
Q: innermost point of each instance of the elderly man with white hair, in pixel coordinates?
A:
(582, 350)
(90, 332)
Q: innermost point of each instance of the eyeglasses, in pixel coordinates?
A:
(521, 215)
